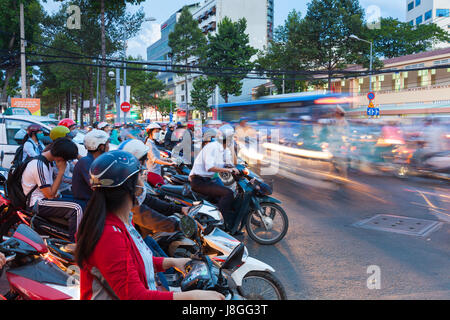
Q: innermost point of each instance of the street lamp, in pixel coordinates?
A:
(371, 55)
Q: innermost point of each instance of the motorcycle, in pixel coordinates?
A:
(254, 208)
(212, 243)
(32, 272)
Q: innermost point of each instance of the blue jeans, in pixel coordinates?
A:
(158, 252)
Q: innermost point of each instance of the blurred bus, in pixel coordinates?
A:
(288, 107)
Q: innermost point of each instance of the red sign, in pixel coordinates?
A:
(125, 106)
(371, 96)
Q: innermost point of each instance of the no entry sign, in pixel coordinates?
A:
(125, 106)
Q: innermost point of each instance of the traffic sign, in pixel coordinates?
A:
(373, 111)
(125, 106)
(371, 105)
(371, 95)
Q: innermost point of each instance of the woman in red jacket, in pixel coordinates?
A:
(115, 262)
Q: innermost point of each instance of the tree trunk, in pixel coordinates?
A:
(103, 77)
(67, 104)
(91, 97)
(186, 94)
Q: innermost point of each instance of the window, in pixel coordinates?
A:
(182, 98)
(410, 6)
(419, 20)
(428, 15)
(182, 87)
(12, 126)
(443, 12)
(411, 23)
(417, 3)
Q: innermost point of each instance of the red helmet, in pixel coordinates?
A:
(190, 125)
(67, 123)
(34, 128)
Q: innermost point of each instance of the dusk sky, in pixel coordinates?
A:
(162, 9)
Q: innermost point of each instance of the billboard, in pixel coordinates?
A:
(34, 105)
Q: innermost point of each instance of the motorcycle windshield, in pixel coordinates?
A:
(41, 270)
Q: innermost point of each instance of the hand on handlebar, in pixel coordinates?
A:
(234, 171)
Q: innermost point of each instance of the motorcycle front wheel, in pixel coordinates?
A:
(276, 219)
(260, 285)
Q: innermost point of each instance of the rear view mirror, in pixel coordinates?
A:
(188, 226)
(235, 257)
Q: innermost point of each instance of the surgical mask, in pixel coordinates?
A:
(40, 136)
(155, 135)
(140, 199)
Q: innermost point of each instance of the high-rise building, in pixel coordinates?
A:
(429, 11)
(209, 13)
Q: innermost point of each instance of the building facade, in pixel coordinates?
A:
(429, 11)
(209, 13)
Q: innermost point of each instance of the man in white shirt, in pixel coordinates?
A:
(211, 160)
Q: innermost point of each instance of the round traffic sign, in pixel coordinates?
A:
(125, 106)
(371, 96)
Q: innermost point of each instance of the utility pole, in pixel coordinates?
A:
(22, 53)
(117, 95)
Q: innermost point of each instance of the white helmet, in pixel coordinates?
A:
(209, 134)
(136, 147)
(102, 125)
(94, 138)
(152, 126)
(226, 131)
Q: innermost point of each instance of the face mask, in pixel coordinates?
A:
(140, 199)
(74, 132)
(40, 136)
(155, 135)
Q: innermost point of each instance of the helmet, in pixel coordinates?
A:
(95, 124)
(67, 123)
(20, 135)
(113, 168)
(190, 125)
(136, 147)
(59, 132)
(152, 126)
(209, 134)
(171, 125)
(33, 128)
(102, 125)
(226, 131)
(94, 138)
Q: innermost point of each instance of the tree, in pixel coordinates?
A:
(186, 41)
(395, 38)
(326, 29)
(10, 41)
(201, 93)
(166, 106)
(229, 49)
(286, 52)
(144, 86)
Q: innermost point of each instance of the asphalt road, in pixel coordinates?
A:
(325, 256)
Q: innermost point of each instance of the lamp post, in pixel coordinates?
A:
(371, 56)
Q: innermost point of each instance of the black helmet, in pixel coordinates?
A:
(113, 168)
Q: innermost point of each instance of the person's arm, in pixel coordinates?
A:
(28, 148)
(164, 207)
(112, 257)
(153, 221)
(2, 260)
(48, 187)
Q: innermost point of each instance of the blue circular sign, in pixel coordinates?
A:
(371, 95)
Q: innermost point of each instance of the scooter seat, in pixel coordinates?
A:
(179, 190)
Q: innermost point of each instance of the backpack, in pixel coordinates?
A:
(18, 199)
(18, 156)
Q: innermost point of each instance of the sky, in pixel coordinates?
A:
(161, 10)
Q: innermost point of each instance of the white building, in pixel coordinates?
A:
(429, 11)
(209, 13)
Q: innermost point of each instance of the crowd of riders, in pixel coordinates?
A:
(100, 193)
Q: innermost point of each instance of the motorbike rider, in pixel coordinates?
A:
(154, 161)
(97, 143)
(115, 262)
(211, 160)
(33, 146)
(153, 215)
(170, 140)
(105, 126)
(38, 179)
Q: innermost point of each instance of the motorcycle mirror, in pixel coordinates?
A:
(235, 257)
(188, 226)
